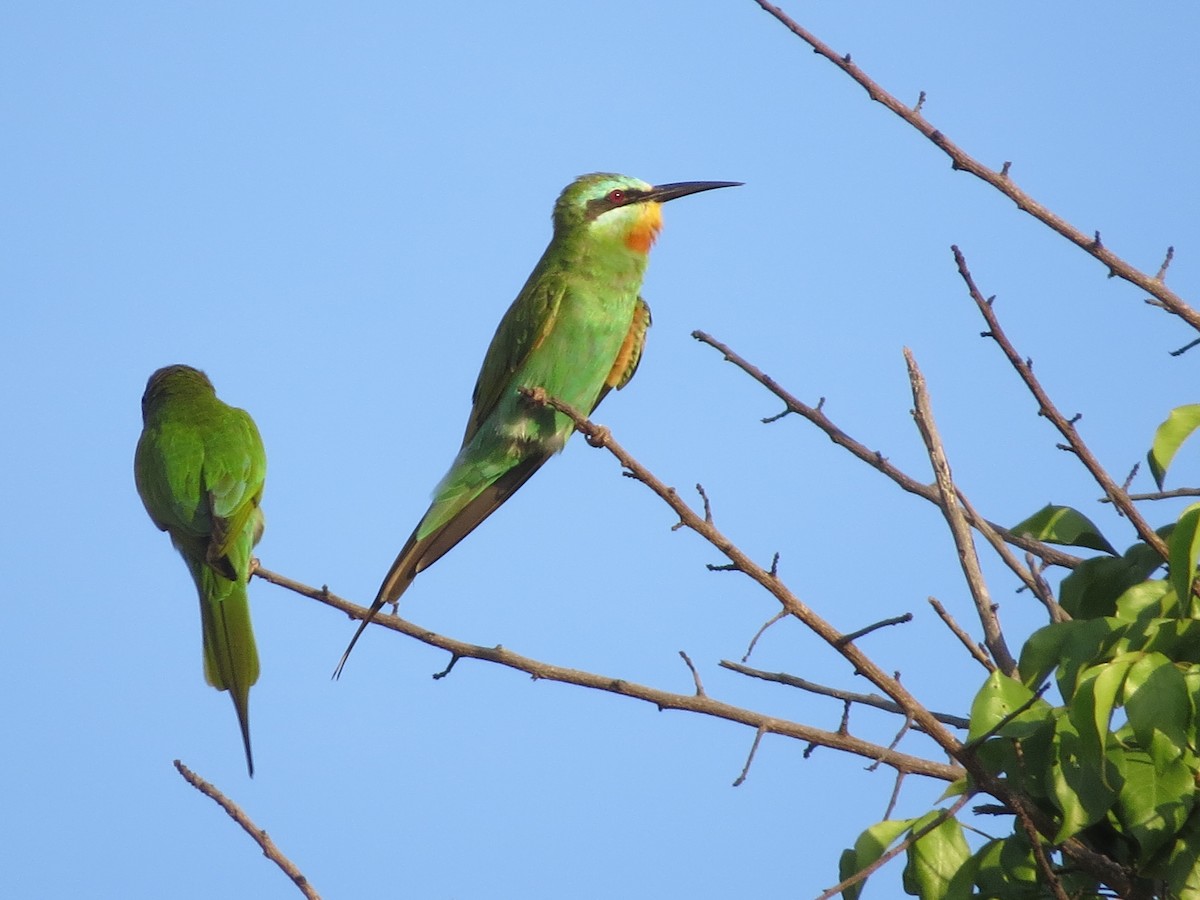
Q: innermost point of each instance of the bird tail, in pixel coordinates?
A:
(455, 513)
(230, 654)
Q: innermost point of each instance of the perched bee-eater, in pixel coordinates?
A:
(576, 329)
(199, 469)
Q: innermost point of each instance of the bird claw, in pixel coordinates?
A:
(600, 437)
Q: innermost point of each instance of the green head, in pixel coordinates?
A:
(174, 381)
(620, 208)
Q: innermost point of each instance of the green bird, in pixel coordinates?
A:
(199, 469)
(576, 329)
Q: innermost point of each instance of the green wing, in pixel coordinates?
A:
(522, 329)
(235, 466)
(626, 364)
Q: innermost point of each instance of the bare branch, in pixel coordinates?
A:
(662, 699)
(695, 675)
(875, 459)
(993, 637)
(1161, 495)
(1000, 180)
(1047, 408)
(872, 700)
(270, 851)
(598, 436)
(779, 616)
(875, 626)
(973, 648)
(741, 779)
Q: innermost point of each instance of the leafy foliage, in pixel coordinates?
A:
(1114, 764)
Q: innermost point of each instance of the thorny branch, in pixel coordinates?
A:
(1098, 865)
(1000, 180)
(698, 703)
(877, 460)
(872, 700)
(862, 663)
(1046, 407)
(270, 851)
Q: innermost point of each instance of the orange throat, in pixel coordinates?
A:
(644, 231)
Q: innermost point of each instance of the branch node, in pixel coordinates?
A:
(1004, 168)
(920, 103)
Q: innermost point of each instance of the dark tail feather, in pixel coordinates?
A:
(243, 714)
(418, 555)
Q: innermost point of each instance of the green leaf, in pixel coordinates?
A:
(1040, 654)
(936, 868)
(1007, 869)
(1089, 643)
(1092, 589)
(1000, 697)
(1184, 551)
(1149, 600)
(1155, 801)
(1095, 697)
(1180, 866)
(1063, 525)
(1159, 707)
(1179, 425)
(871, 845)
(1077, 787)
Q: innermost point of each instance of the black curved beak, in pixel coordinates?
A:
(661, 193)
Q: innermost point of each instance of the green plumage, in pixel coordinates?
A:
(576, 329)
(199, 469)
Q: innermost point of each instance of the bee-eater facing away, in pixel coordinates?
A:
(199, 469)
(576, 329)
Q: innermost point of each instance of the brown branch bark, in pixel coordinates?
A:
(999, 179)
(269, 849)
(599, 436)
(1097, 865)
(877, 460)
(872, 700)
(956, 518)
(697, 703)
(1046, 407)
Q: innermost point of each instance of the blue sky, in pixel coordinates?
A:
(329, 208)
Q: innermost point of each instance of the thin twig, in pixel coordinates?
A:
(779, 616)
(956, 518)
(695, 675)
(659, 698)
(270, 851)
(895, 798)
(874, 458)
(1000, 180)
(741, 779)
(1160, 495)
(976, 651)
(1047, 408)
(872, 700)
(875, 626)
(1100, 866)
(862, 663)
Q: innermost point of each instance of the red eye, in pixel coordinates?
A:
(617, 196)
